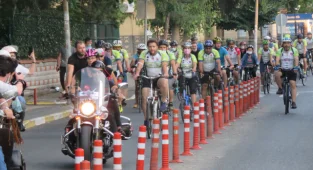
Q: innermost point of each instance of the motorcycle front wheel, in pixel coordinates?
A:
(86, 141)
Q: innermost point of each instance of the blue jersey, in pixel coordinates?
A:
(223, 52)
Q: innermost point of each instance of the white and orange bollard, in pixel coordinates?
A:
(79, 157)
(202, 122)
(165, 143)
(117, 151)
(141, 148)
(232, 104)
(220, 109)
(176, 137)
(196, 126)
(85, 165)
(216, 115)
(186, 132)
(97, 155)
(155, 145)
(209, 118)
(226, 107)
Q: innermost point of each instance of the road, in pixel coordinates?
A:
(265, 138)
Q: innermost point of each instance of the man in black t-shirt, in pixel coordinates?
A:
(194, 49)
(76, 62)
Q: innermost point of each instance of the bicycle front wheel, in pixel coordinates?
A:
(150, 120)
(286, 98)
(265, 83)
(181, 108)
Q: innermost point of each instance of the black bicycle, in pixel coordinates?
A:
(248, 72)
(310, 64)
(302, 77)
(267, 79)
(286, 92)
(211, 87)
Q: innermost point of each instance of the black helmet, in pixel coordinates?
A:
(163, 42)
(107, 46)
(174, 43)
(98, 64)
(250, 46)
(100, 44)
(300, 36)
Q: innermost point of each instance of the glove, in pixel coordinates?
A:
(277, 67)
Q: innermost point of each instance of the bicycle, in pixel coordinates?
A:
(267, 81)
(286, 93)
(302, 77)
(153, 105)
(310, 66)
(184, 97)
(211, 88)
(248, 72)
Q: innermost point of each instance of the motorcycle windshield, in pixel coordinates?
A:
(93, 84)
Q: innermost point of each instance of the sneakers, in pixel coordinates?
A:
(163, 107)
(279, 91)
(293, 105)
(170, 105)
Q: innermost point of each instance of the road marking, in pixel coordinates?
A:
(282, 95)
(132, 98)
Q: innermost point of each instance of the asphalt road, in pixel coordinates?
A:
(265, 138)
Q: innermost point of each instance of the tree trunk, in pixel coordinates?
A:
(175, 35)
(167, 25)
(251, 36)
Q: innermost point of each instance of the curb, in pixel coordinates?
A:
(46, 119)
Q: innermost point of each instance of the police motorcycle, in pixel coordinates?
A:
(90, 115)
(9, 135)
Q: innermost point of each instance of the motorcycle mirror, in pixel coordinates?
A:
(123, 85)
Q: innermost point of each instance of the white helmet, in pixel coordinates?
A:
(9, 49)
(141, 47)
(267, 38)
(117, 43)
(5, 53)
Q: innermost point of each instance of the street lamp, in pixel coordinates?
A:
(296, 11)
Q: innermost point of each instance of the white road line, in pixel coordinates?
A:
(131, 98)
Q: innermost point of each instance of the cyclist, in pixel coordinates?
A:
(188, 65)
(265, 55)
(300, 44)
(234, 55)
(154, 62)
(140, 48)
(163, 46)
(287, 58)
(177, 51)
(117, 45)
(309, 41)
(223, 56)
(250, 60)
(207, 59)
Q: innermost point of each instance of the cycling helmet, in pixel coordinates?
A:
(300, 36)
(99, 52)
(100, 44)
(250, 46)
(231, 41)
(107, 46)
(267, 38)
(243, 43)
(4, 53)
(217, 40)
(174, 43)
(141, 47)
(117, 43)
(208, 43)
(265, 42)
(309, 33)
(98, 64)
(163, 42)
(9, 49)
(187, 44)
(286, 39)
(287, 35)
(91, 52)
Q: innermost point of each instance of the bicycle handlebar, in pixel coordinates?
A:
(151, 78)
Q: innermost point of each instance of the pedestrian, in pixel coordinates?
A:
(88, 42)
(199, 44)
(62, 63)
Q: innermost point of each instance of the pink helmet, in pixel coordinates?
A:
(91, 52)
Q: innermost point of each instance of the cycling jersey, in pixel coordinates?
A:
(178, 53)
(223, 53)
(171, 56)
(208, 59)
(309, 43)
(124, 56)
(265, 55)
(115, 56)
(300, 45)
(153, 64)
(287, 57)
(186, 64)
(233, 53)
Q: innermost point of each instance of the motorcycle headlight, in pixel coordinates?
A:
(87, 108)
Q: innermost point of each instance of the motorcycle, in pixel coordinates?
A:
(13, 157)
(90, 117)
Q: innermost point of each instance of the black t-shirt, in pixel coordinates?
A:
(77, 62)
(242, 52)
(195, 53)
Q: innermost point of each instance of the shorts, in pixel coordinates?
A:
(205, 78)
(146, 83)
(301, 56)
(192, 83)
(262, 66)
(290, 74)
(228, 70)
